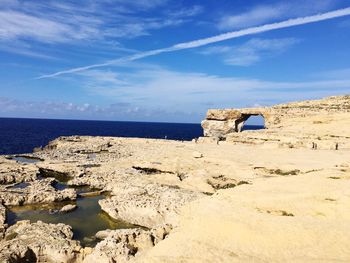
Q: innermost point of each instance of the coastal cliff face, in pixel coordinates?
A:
(310, 124)
(257, 196)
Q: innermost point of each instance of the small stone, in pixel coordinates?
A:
(68, 208)
(53, 211)
(103, 234)
(197, 155)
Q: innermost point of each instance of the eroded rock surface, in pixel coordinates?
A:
(38, 242)
(262, 196)
(300, 218)
(13, 172)
(40, 191)
(149, 206)
(2, 220)
(314, 124)
(124, 245)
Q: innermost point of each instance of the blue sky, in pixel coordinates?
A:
(45, 45)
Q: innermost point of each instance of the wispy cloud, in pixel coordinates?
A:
(256, 16)
(21, 48)
(82, 24)
(141, 92)
(215, 39)
(68, 21)
(342, 73)
(16, 25)
(252, 51)
(148, 87)
(267, 13)
(186, 12)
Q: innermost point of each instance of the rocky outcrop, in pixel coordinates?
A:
(13, 172)
(218, 123)
(149, 206)
(38, 242)
(308, 124)
(126, 244)
(40, 191)
(226, 204)
(290, 218)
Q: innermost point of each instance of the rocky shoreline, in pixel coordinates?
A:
(228, 197)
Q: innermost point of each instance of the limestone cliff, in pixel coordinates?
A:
(296, 124)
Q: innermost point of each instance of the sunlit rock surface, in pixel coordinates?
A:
(317, 124)
(276, 195)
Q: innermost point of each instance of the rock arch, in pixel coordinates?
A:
(218, 123)
(239, 123)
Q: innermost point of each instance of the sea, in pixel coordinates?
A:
(18, 136)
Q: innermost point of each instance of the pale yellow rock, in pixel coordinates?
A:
(197, 155)
(286, 219)
(317, 124)
(276, 195)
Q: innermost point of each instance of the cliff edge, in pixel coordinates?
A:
(315, 124)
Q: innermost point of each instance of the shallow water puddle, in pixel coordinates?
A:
(25, 159)
(19, 186)
(85, 221)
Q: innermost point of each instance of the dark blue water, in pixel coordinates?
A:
(22, 135)
(252, 127)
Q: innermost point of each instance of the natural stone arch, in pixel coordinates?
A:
(219, 123)
(239, 123)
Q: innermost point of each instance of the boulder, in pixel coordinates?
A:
(219, 129)
(68, 208)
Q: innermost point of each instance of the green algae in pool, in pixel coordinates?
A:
(85, 221)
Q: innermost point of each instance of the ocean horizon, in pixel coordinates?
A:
(22, 135)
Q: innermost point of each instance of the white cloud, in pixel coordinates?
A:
(266, 13)
(256, 16)
(19, 25)
(334, 74)
(187, 12)
(139, 4)
(154, 93)
(154, 87)
(81, 24)
(252, 51)
(21, 48)
(140, 27)
(116, 111)
(214, 39)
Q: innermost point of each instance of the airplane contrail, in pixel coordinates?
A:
(211, 40)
